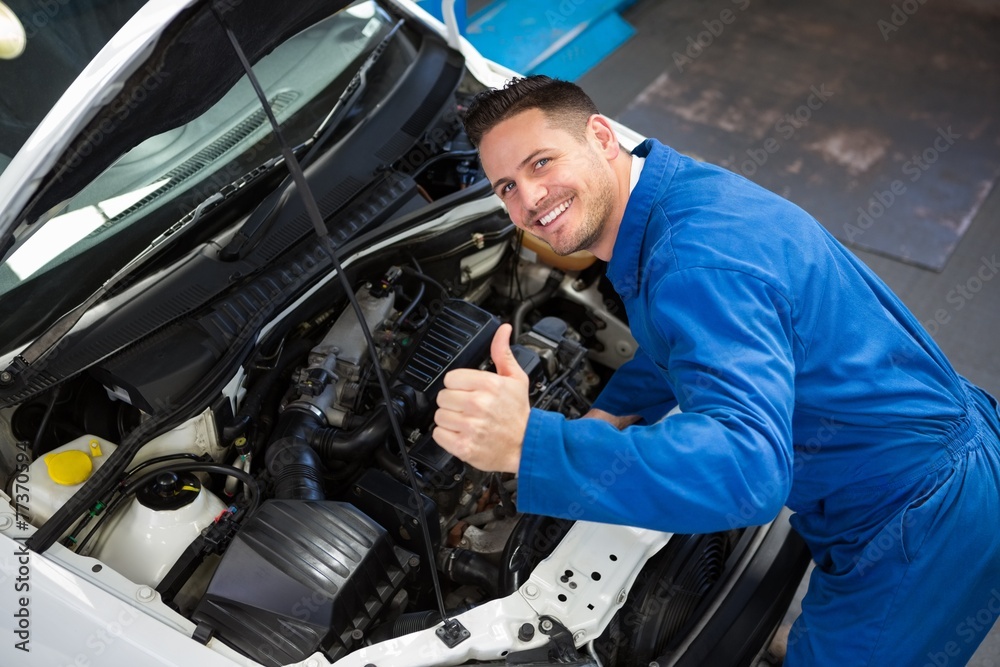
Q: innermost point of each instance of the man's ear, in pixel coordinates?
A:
(604, 135)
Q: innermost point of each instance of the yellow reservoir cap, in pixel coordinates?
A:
(69, 467)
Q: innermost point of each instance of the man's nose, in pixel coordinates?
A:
(533, 194)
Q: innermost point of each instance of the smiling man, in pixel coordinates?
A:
(802, 381)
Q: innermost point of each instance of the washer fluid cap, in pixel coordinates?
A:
(69, 467)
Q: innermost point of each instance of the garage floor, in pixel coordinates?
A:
(964, 326)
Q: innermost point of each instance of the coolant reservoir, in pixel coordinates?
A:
(54, 477)
(144, 540)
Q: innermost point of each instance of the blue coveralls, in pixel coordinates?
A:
(804, 382)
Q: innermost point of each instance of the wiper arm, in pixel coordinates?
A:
(45, 343)
(347, 98)
(264, 215)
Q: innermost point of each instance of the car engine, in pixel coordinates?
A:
(285, 522)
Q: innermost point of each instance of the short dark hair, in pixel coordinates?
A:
(562, 102)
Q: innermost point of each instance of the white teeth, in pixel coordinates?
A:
(554, 213)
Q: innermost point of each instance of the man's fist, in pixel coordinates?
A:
(481, 416)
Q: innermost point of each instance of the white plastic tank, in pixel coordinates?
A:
(147, 534)
(145, 539)
(54, 477)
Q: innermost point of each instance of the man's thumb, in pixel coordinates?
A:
(503, 358)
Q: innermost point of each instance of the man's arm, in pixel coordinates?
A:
(619, 422)
(725, 461)
(637, 388)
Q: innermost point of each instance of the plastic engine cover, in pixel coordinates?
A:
(301, 576)
(458, 337)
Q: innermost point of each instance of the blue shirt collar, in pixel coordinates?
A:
(623, 269)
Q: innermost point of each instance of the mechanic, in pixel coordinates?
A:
(801, 378)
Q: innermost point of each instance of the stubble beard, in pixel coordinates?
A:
(595, 219)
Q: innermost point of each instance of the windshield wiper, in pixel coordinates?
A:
(46, 342)
(347, 98)
(263, 217)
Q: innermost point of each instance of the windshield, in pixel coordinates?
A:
(162, 179)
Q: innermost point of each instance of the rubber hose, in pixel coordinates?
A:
(295, 469)
(392, 464)
(414, 622)
(254, 398)
(338, 444)
(467, 567)
(535, 300)
(532, 540)
(294, 465)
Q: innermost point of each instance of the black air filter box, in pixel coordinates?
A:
(298, 578)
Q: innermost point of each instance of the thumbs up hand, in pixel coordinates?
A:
(503, 357)
(482, 416)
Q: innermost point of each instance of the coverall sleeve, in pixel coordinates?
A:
(637, 387)
(725, 340)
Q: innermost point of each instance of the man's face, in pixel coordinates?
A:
(557, 186)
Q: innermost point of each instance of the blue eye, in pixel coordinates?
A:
(506, 188)
(542, 162)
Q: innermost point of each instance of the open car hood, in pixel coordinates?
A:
(168, 64)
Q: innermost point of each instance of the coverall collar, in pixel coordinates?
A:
(623, 269)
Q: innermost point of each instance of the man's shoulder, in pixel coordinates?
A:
(712, 218)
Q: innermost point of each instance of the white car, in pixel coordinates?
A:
(205, 457)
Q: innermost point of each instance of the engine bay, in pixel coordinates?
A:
(296, 481)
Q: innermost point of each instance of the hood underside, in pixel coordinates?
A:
(190, 68)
